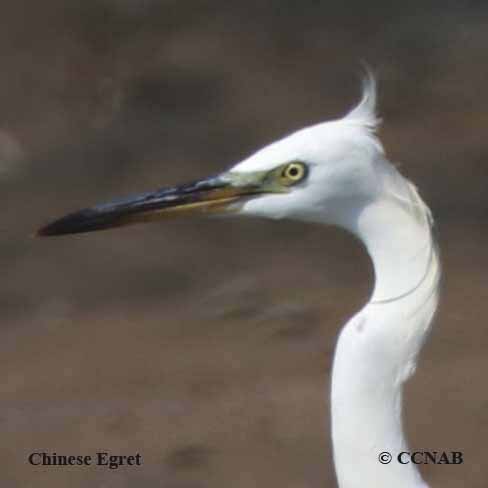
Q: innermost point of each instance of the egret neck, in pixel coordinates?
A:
(378, 348)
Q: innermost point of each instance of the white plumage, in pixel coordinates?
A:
(351, 184)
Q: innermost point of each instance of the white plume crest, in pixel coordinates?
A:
(365, 111)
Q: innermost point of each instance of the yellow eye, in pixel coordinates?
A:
(293, 173)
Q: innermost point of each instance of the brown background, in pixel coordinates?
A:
(207, 345)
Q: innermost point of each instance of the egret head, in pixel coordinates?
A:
(322, 170)
(316, 174)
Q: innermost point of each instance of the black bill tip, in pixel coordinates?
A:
(86, 220)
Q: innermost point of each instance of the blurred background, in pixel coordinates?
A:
(206, 346)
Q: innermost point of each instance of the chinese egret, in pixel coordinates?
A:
(334, 172)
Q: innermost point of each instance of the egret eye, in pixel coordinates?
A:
(293, 173)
